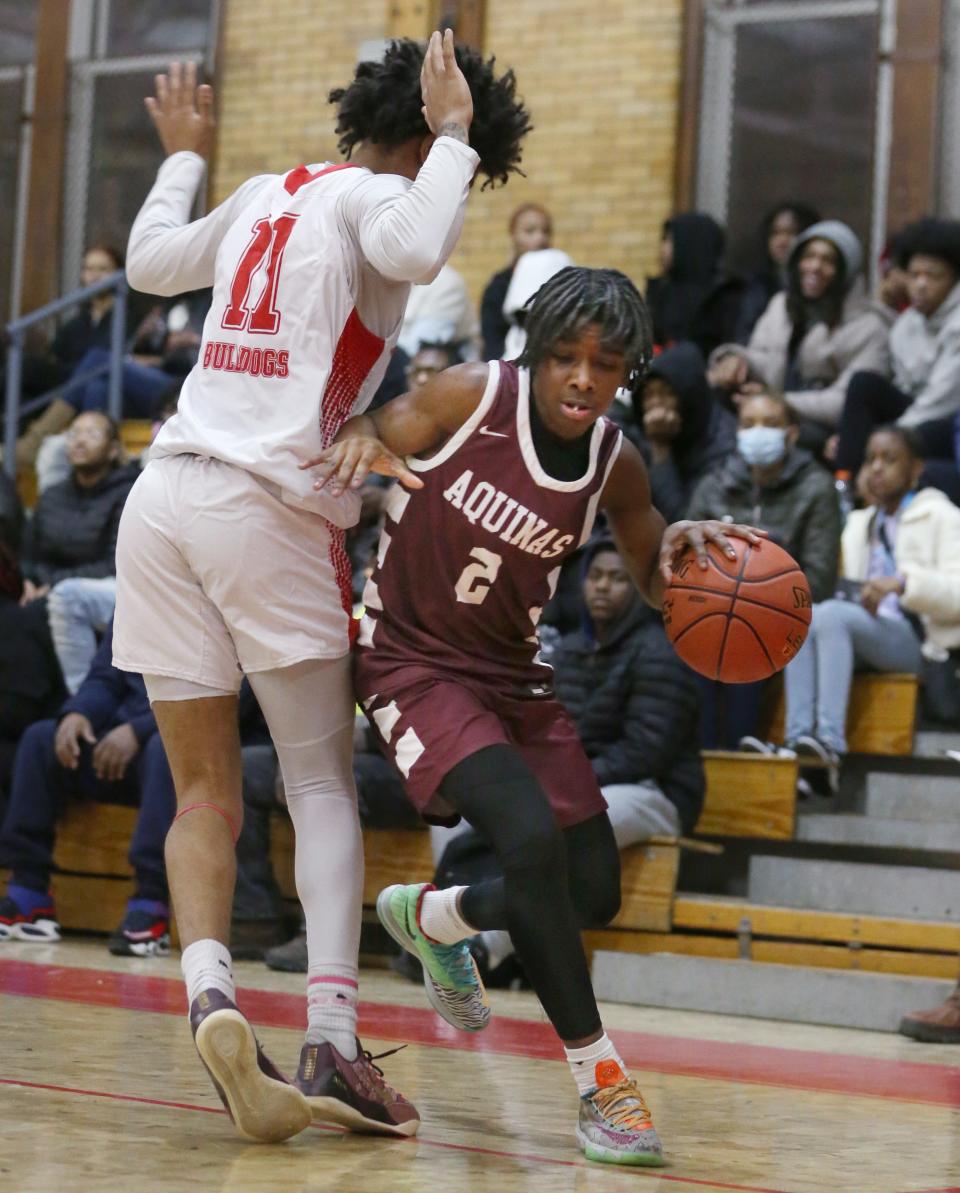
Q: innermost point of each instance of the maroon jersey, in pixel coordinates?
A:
(467, 563)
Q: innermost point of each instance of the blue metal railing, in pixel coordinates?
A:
(16, 332)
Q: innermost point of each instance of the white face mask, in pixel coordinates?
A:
(762, 446)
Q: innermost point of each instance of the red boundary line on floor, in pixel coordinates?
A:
(820, 1072)
(658, 1173)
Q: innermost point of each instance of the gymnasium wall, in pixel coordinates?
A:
(601, 80)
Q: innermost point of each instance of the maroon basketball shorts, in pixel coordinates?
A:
(427, 721)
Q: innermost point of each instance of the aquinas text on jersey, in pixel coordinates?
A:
(484, 505)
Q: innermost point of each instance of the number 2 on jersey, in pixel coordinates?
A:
(268, 240)
(477, 578)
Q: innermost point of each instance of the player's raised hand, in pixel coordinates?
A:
(346, 465)
(681, 535)
(447, 103)
(182, 112)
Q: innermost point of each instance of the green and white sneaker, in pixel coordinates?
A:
(615, 1126)
(450, 976)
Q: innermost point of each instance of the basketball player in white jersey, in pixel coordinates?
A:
(228, 562)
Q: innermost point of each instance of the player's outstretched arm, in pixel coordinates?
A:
(410, 425)
(166, 254)
(647, 545)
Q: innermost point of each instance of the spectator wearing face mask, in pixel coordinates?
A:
(771, 483)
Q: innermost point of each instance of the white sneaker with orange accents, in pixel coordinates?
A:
(615, 1126)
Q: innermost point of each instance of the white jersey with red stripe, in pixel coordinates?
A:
(311, 272)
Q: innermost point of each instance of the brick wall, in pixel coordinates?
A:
(601, 81)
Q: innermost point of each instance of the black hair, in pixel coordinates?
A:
(383, 104)
(907, 436)
(576, 297)
(450, 350)
(112, 424)
(778, 399)
(932, 238)
(828, 309)
(803, 214)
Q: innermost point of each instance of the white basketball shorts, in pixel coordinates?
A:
(216, 576)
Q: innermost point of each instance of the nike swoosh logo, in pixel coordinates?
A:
(498, 434)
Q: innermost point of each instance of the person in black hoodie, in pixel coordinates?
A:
(693, 299)
(74, 527)
(104, 745)
(778, 231)
(681, 431)
(634, 704)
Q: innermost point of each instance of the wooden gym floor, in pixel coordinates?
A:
(100, 1090)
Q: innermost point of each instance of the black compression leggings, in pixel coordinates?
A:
(554, 882)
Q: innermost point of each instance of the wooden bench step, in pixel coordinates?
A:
(749, 795)
(779, 952)
(700, 913)
(881, 716)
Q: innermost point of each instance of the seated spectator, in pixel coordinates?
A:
(778, 230)
(11, 513)
(814, 336)
(635, 707)
(681, 431)
(901, 563)
(90, 328)
(771, 483)
(71, 546)
(531, 229)
(171, 340)
(104, 746)
(693, 298)
(530, 272)
(441, 312)
(925, 349)
(31, 686)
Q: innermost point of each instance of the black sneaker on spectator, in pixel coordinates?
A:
(250, 939)
(754, 745)
(812, 752)
(142, 934)
(39, 925)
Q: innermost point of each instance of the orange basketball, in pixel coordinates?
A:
(738, 620)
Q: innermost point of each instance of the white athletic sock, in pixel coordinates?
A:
(584, 1062)
(332, 1007)
(207, 964)
(440, 918)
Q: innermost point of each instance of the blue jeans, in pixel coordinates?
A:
(843, 637)
(143, 387)
(79, 610)
(41, 787)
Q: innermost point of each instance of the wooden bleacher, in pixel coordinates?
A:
(881, 717)
(94, 879)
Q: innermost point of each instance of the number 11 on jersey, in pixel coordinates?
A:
(264, 319)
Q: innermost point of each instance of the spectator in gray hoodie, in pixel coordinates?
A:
(814, 336)
(925, 348)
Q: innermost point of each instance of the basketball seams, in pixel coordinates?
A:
(763, 646)
(773, 608)
(730, 615)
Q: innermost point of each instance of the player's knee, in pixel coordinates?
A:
(597, 901)
(538, 847)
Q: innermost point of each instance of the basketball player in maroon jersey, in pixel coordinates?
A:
(506, 467)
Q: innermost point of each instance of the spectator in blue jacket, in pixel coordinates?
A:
(104, 746)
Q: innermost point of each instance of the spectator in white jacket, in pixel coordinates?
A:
(901, 563)
(925, 349)
(814, 335)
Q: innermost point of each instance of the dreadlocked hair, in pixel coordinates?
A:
(383, 104)
(575, 298)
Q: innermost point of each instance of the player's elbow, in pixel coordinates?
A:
(147, 271)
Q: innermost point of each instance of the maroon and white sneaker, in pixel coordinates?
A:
(353, 1093)
(263, 1104)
